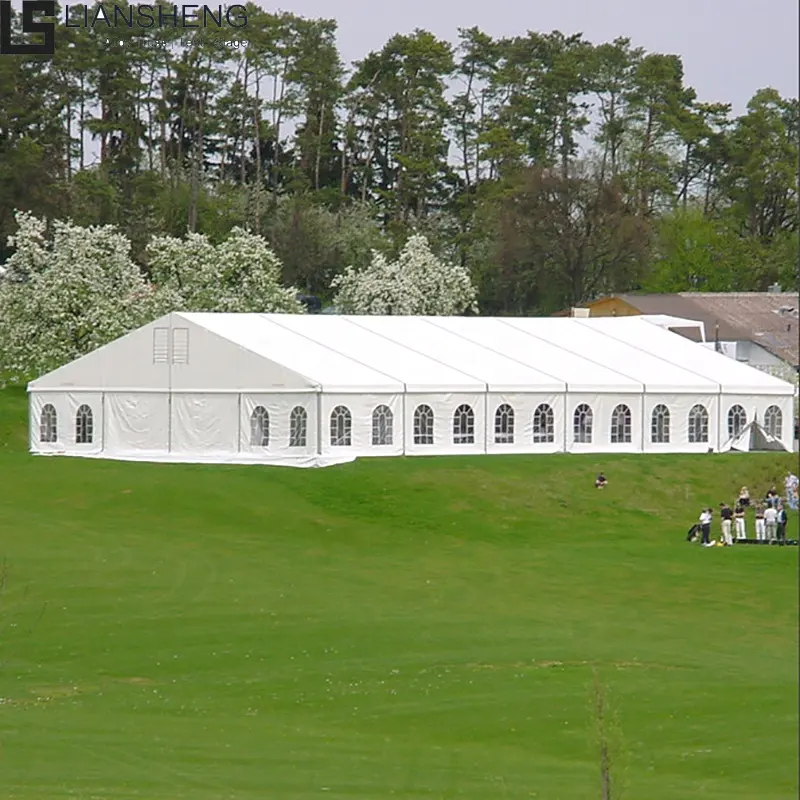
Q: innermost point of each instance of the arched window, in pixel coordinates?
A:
(464, 425)
(582, 424)
(621, 425)
(341, 427)
(543, 424)
(298, 427)
(504, 425)
(773, 422)
(698, 424)
(659, 425)
(382, 421)
(423, 425)
(84, 425)
(737, 419)
(48, 424)
(259, 427)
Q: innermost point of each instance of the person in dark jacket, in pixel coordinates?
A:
(781, 520)
(726, 514)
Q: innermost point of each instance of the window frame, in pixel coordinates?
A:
(549, 427)
(584, 412)
(626, 424)
(660, 424)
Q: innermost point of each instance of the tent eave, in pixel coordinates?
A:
(378, 388)
(738, 390)
(526, 388)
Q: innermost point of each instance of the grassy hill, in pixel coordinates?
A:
(410, 628)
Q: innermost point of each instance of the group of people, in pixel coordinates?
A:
(769, 516)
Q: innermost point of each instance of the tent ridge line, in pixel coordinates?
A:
(652, 355)
(572, 352)
(492, 350)
(268, 318)
(417, 352)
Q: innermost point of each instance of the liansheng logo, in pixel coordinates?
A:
(98, 16)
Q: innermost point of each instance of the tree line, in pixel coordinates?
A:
(553, 169)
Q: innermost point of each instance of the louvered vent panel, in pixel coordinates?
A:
(180, 345)
(160, 345)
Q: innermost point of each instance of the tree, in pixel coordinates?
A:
(314, 243)
(168, 134)
(761, 177)
(614, 67)
(417, 282)
(551, 243)
(656, 100)
(397, 124)
(241, 274)
(696, 252)
(63, 297)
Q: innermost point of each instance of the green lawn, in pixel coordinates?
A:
(420, 628)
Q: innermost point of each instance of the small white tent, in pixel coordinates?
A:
(308, 390)
(753, 438)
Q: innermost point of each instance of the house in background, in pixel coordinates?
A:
(760, 329)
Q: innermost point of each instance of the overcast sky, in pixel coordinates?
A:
(730, 48)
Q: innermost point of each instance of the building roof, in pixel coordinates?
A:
(760, 317)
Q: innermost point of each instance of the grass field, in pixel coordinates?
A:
(421, 628)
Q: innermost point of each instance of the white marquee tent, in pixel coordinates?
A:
(311, 390)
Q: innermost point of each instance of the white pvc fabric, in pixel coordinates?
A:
(137, 422)
(312, 391)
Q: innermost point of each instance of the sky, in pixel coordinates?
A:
(730, 48)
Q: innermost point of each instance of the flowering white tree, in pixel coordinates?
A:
(63, 297)
(239, 275)
(416, 283)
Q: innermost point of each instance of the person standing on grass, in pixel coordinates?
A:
(772, 498)
(705, 526)
(771, 522)
(760, 529)
(782, 521)
(739, 522)
(791, 484)
(727, 522)
(744, 497)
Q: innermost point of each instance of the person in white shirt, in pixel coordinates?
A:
(705, 526)
(771, 523)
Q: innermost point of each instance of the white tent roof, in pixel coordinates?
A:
(501, 373)
(656, 374)
(371, 355)
(319, 363)
(418, 372)
(578, 372)
(668, 321)
(651, 340)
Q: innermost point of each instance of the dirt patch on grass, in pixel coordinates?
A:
(54, 692)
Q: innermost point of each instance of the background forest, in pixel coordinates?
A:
(551, 168)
